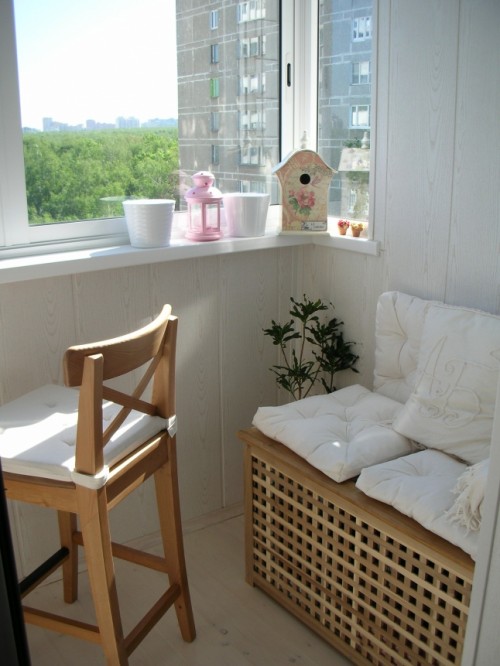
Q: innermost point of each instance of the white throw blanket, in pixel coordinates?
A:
(467, 509)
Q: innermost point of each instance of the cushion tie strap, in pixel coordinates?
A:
(94, 482)
(172, 425)
(88, 481)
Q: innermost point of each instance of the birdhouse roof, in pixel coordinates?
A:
(302, 157)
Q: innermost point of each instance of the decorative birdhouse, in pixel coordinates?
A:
(305, 180)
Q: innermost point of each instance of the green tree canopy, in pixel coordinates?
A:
(86, 175)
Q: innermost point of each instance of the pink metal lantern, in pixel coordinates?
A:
(204, 204)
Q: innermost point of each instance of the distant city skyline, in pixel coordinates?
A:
(50, 124)
(96, 59)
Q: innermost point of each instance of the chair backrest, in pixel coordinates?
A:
(90, 365)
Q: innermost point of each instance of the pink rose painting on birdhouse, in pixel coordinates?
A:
(305, 180)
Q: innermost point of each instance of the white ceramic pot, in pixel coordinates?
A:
(246, 213)
(149, 221)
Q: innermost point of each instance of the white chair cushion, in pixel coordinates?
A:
(421, 486)
(38, 434)
(339, 433)
(452, 406)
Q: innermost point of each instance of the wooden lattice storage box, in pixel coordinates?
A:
(375, 584)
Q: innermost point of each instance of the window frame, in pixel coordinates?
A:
(359, 74)
(214, 121)
(14, 227)
(357, 110)
(362, 28)
(214, 87)
(299, 116)
(214, 19)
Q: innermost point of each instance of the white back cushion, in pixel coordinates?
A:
(452, 405)
(398, 331)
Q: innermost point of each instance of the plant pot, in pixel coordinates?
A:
(246, 213)
(149, 221)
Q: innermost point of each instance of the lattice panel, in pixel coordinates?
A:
(373, 597)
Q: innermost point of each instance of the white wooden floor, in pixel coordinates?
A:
(237, 625)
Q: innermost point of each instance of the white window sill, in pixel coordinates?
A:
(67, 262)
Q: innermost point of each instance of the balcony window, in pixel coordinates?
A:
(361, 72)
(361, 28)
(215, 121)
(214, 88)
(360, 116)
(81, 161)
(252, 10)
(344, 97)
(215, 154)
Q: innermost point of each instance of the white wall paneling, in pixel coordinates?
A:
(223, 364)
(473, 266)
(422, 95)
(249, 302)
(352, 283)
(30, 354)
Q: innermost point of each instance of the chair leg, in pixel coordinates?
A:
(167, 495)
(98, 554)
(67, 527)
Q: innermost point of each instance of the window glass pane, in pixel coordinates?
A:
(344, 102)
(119, 103)
(98, 104)
(246, 146)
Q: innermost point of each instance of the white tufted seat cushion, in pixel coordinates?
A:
(339, 433)
(422, 486)
(38, 435)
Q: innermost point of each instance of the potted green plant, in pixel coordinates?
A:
(312, 348)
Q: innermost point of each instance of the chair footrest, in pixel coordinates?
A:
(157, 611)
(132, 555)
(91, 633)
(62, 624)
(41, 572)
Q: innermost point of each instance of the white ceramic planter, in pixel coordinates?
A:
(149, 221)
(246, 213)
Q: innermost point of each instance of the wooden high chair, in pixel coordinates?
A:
(81, 453)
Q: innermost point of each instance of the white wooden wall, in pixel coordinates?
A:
(437, 215)
(223, 303)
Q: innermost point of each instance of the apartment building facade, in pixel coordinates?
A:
(229, 81)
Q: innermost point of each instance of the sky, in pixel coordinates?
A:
(96, 59)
